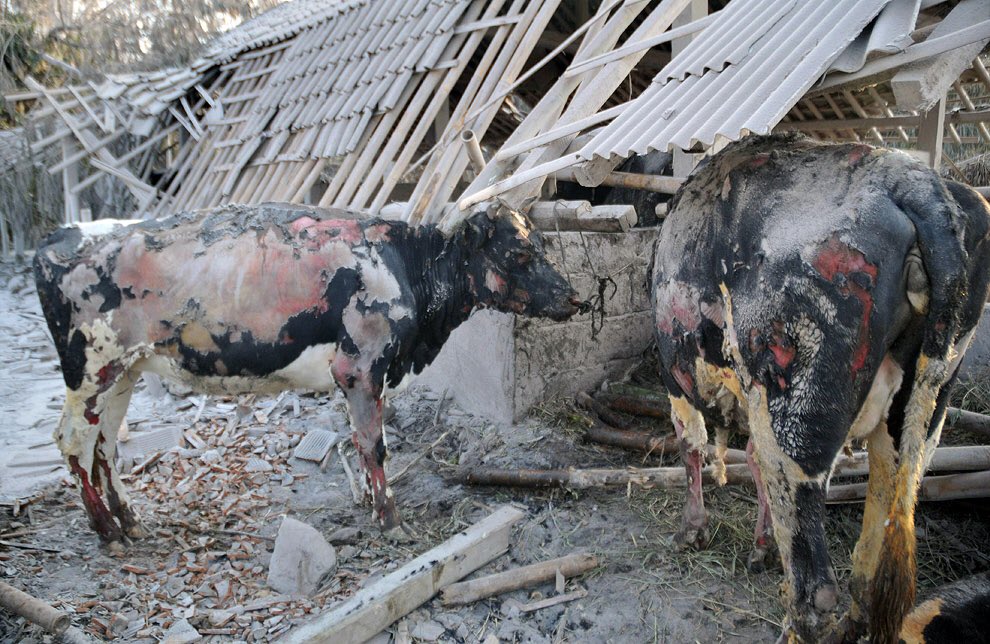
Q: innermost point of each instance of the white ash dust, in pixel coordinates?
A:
(213, 519)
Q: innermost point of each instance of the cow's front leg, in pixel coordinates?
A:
(764, 547)
(87, 437)
(364, 405)
(690, 428)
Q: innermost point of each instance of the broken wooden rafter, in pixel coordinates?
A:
(473, 590)
(376, 606)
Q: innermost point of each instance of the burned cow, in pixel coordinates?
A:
(824, 294)
(263, 299)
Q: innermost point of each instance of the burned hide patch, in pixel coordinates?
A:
(853, 276)
(677, 307)
(772, 352)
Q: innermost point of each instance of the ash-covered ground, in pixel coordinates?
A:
(215, 500)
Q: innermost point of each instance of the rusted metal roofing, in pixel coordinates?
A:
(730, 86)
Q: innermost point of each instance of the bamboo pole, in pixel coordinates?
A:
(475, 155)
(548, 110)
(442, 95)
(468, 592)
(507, 153)
(505, 70)
(593, 93)
(579, 67)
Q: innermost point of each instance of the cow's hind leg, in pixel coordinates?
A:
(796, 488)
(690, 427)
(764, 547)
(879, 496)
(87, 436)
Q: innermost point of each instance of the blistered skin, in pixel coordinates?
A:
(267, 298)
(821, 294)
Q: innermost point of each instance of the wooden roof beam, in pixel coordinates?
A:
(922, 84)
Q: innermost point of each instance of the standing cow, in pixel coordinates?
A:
(827, 293)
(267, 298)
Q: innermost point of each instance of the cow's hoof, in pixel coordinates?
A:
(138, 531)
(695, 538)
(400, 534)
(762, 559)
(116, 547)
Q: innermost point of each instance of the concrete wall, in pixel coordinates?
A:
(499, 366)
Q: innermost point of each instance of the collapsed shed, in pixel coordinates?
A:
(389, 108)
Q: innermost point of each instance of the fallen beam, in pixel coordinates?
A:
(647, 477)
(968, 421)
(581, 215)
(466, 592)
(945, 459)
(374, 608)
(33, 609)
(648, 182)
(634, 441)
(970, 485)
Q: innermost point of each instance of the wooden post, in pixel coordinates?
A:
(684, 162)
(70, 177)
(930, 133)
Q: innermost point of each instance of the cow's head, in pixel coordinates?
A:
(508, 269)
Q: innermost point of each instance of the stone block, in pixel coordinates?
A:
(301, 557)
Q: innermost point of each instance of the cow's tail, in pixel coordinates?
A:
(939, 224)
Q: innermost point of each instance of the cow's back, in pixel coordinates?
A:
(230, 293)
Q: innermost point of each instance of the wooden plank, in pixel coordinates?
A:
(598, 219)
(375, 607)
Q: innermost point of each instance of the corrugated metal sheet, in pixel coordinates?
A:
(275, 25)
(726, 87)
(890, 34)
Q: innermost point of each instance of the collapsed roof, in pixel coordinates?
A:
(356, 104)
